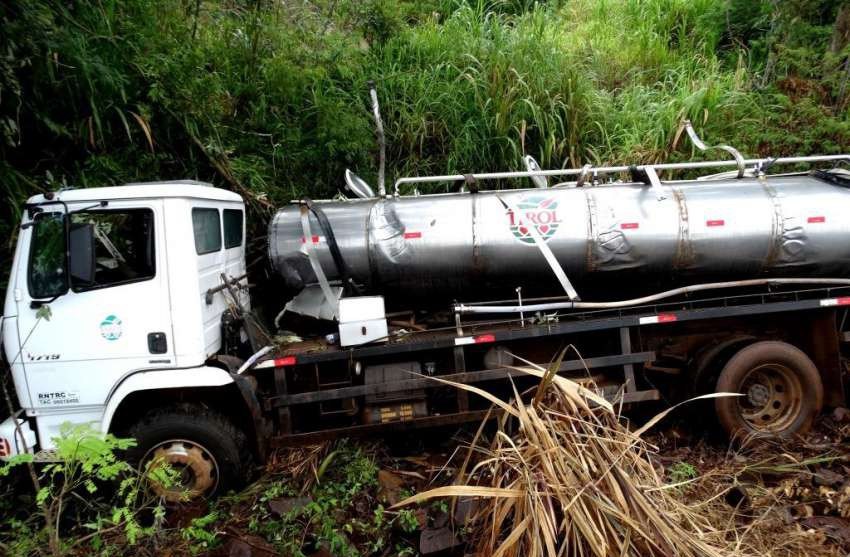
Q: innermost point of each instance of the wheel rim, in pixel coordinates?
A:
(772, 397)
(197, 469)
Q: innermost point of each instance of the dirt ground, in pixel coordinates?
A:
(788, 498)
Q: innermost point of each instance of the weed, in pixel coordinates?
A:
(407, 521)
(440, 506)
(86, 461)
(682, 472)
(331, 518)
(199, 535)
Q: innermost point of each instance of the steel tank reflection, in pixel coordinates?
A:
(447, 245)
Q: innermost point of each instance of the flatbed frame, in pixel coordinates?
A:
(626, 322)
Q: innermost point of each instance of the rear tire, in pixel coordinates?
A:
(209, 452)
(781, 387)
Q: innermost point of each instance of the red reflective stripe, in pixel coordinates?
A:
(843, 301)
(315, 239)
(718, 222)
(629, 225)
(815, 220)
(660, 318)
(412, 235)
(480, 339)
(285, 361)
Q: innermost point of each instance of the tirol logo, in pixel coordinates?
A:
(538, 211)
(110, 328)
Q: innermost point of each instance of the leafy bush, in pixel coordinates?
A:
(87, 471)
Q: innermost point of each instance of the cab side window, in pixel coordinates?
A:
(232, 228)
(109, 248)
(206, 224)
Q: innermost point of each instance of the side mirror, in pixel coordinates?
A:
(532, 166)
(82, 248)
(357, 185)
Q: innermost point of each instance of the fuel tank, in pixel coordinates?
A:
(438, 248)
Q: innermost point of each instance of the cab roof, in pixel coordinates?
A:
(144, 190)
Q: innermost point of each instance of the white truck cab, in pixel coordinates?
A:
(126, 273)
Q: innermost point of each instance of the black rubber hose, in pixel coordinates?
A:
(341, 266)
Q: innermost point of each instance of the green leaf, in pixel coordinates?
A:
(13, 461)
(324, 465)
(42, 495)
(44, 312)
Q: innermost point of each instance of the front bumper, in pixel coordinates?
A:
(16, 440)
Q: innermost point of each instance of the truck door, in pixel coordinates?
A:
(110, 315)
(220, 248)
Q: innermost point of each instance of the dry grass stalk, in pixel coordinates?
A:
(301, 464)
(573, 480)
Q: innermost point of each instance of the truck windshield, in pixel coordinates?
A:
(48, 275)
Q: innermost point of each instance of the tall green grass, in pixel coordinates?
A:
(269, 98)
(587, 82)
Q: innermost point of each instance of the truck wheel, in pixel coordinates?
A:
(209, 453)
(781, 388)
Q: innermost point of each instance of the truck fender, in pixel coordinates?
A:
(204, 376)
(707, 356)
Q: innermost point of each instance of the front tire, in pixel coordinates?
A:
(781, 387)
(209, 453)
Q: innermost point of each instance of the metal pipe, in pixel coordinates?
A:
(466, 309)
(379, 125)
(519, 301)
(615, 169)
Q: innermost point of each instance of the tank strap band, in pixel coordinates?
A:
(336, 254)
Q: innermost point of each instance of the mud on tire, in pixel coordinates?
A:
(781, 387)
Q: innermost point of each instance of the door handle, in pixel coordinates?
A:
(157, 343)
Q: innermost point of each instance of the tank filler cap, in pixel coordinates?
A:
(358, 185)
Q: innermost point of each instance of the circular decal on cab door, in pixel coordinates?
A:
(110, 328)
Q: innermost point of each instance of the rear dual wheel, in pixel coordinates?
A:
(781, 390)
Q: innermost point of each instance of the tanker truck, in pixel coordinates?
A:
(129, 307)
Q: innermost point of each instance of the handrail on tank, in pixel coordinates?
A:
(754, 163)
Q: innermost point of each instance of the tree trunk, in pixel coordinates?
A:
(771, 45)
(842, 90)
(841, 32)
(840, 38)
